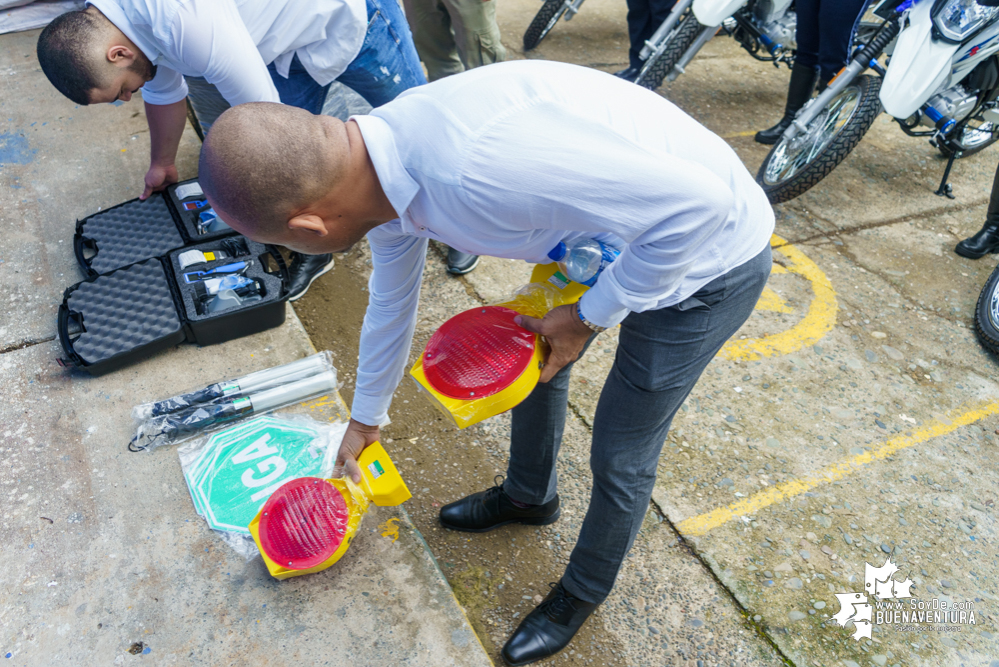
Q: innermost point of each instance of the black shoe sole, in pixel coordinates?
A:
(326, 269)
(971, 255)
(766, 141)
(539, 521)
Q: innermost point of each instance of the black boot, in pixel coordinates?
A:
(492, 508)
(548, 629)
(987, 238)
(799, 91)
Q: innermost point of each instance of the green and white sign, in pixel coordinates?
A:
(240, 467)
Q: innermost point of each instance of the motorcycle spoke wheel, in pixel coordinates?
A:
(795, 165)
(662, 61)
(794, 155)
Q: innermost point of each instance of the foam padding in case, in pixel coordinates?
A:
(124, 312)
(189, 218)
(127, 233)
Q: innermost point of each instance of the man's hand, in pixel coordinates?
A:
(355, 440)
(566, 335)
(158, 177)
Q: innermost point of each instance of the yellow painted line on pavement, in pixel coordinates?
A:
(817, 322)
(747, 133)
(703, 523)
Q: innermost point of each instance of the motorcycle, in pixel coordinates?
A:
(546, 18)
(764, 28)
(941, 82)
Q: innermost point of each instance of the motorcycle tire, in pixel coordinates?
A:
(543, 22)
(835, 151)
(987, 314)
(657, 67)
(978, 146)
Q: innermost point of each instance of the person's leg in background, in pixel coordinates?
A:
(661, 354)
(839, 19)
(644, 18)
(452, 36)
(476, 33)
(433, 36)
(824, 33)
(986, 240)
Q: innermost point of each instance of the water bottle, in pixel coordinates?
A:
(583, 259)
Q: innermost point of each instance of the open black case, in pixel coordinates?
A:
(160, 273)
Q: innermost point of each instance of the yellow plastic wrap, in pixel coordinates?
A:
(548, 289)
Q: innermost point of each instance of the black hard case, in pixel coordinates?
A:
(125, 314)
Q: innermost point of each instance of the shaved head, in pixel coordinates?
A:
(262, 163)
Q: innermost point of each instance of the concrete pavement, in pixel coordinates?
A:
(105, 560)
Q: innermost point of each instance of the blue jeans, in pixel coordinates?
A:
(660, 356)
(386, 65)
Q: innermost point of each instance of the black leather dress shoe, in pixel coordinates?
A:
(492, 508)
(460, 263)
(986, 240)
(548, 629)
(628, 73)
(304, 270)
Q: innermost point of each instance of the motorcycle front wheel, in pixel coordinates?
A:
(543, 22)
(662, 62)
(795, 165)
(987, 314)
(976, 136)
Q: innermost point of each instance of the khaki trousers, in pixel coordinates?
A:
(454, 35)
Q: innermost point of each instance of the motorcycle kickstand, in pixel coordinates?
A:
(945, 189)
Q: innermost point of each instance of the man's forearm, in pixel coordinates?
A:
(166, 125)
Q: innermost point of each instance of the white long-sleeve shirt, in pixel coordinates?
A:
(510, 159)
(231, 42)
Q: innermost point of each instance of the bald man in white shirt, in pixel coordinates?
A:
(231, 52)
(510, 160)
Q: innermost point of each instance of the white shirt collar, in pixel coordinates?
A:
(399, 186)
(116, 15)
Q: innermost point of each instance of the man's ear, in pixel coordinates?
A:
(309, 223)
(120, 55)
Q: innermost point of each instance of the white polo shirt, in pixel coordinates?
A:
(231, 42)
(508, 160)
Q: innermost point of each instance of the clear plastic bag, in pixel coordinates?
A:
(207, 409)
(231, 473)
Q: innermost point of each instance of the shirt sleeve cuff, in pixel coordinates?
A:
(370, 410)
(163, 98)
(600, 309)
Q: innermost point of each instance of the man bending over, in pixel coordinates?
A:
(224, 53)
(509, 160)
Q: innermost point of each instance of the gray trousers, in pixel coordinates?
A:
(660, 356)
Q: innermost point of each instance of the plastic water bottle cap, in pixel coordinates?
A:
(558, 252)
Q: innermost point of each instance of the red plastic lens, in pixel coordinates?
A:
(303, 523)
(477, 353)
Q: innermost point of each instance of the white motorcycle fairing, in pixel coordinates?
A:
(919, 64)
(712, 12)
